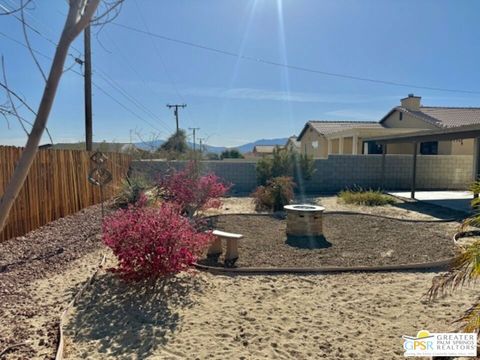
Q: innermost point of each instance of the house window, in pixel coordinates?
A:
(374, 148)
(400, 116)
(429, 148)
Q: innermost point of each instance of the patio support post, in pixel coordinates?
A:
(384, 158)
(414, 169)
(340, 145)
(329, 145)
(476, 162)
(355, 145)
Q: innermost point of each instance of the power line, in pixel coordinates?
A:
(112, 82)
(293, 67)
(94, 83)
(157, 51)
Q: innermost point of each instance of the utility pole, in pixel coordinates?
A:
(88, 89)
(200, 140)
(194, 129)
(175, 112)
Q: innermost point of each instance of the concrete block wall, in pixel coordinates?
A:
(241, 174)
(338, 172)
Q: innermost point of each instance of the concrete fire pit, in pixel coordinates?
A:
(304, 220)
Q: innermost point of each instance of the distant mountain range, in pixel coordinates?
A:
(245, 148)
(153, 145)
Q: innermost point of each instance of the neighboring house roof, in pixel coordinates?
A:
(293, 140)
(325, 127)
(265, 149)
(441, 116)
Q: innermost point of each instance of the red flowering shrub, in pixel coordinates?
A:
(151, 242)
(190, 191)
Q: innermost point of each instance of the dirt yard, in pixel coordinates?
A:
(206, 316)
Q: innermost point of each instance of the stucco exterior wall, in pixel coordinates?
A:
(347, 145)
(306, 144)
(408, 121)
(463, 147)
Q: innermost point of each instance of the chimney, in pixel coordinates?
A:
(411, 102)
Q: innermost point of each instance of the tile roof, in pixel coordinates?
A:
(265, 148)
(443, 116)
(293, 140)
(329, 127)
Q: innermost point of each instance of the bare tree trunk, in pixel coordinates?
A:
(71, 29)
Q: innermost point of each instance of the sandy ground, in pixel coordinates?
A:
(205, 316)
(342, 316)
(336, 316)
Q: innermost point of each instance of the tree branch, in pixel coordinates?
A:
(10, 12)
(27, 41)
(13, 112)
(9, 96)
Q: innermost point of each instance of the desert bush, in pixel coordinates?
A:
(365, 197)
(130, 192)
(464, 270)
(288, 163)
(231, 154)
(277, 193)
(190, 190)
(151, 242)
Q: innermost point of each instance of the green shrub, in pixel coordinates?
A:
(285, 163)
(277, 193)
(131, 191)
(366, 197)
(231, 154)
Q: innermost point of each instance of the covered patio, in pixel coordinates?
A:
(455, 200)
(418, 137)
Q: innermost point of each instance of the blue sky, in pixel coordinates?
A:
(433, 43)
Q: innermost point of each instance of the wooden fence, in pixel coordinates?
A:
(57, 185)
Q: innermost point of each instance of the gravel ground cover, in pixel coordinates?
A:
(350, 240)
(35, 284)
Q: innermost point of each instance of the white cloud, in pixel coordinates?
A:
(276, 95)
(353, 114)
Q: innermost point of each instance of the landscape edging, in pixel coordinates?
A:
(60, 348)
(338, 269)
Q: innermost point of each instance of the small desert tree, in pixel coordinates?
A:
(80, 14)
(287, 163)
(176, 142)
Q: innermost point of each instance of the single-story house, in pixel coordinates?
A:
(293, 144)
(264, 150)
(321, 138)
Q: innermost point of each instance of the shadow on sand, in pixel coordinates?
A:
(131, 319)
(308, 242)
